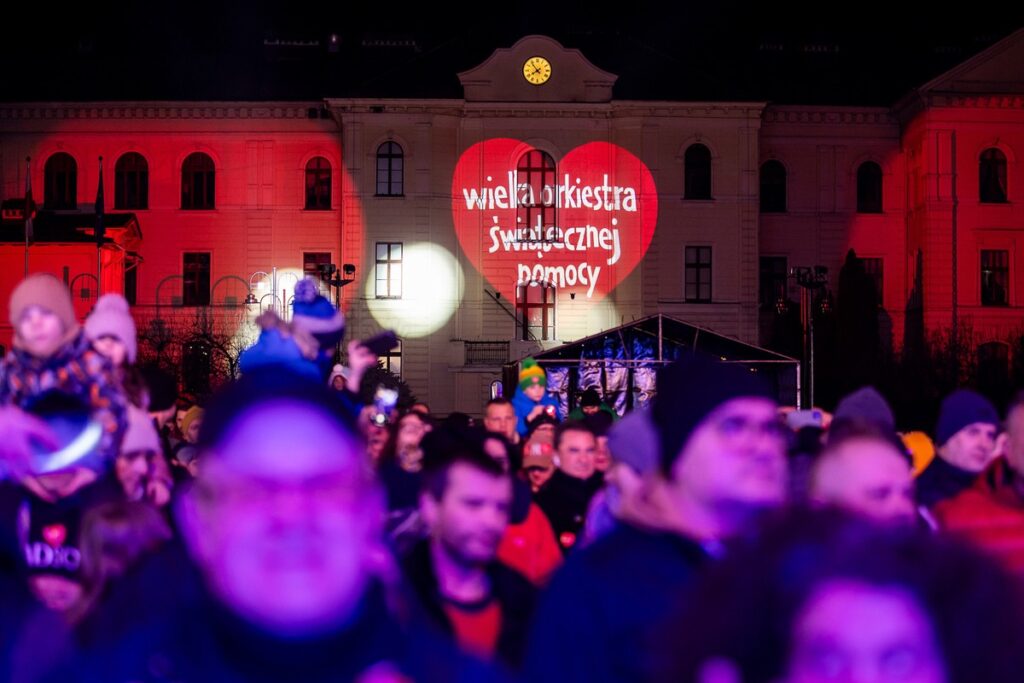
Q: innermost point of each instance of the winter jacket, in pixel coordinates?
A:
(523, 405)
(514, 593)
(530, 547)
(941, 481)
(565, 500)
(990, 515)
(77, 370)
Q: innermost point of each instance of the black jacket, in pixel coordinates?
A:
(565, 500)
(513, 591)
(597, 618)
(941, 480)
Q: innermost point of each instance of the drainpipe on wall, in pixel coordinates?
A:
(956, 203)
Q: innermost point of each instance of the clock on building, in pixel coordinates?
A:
(537, 70)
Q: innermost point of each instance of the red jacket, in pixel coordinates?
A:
(990, 515)
(530, 547)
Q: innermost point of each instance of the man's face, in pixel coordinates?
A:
(40, 331)
(472, 515)
(735, 456)
(850, 630)
(590, 410)
(972, 448)
(535, 392)
(500, 418)
(338, 383)
(868, 477)
(284, 541)
(576, 452)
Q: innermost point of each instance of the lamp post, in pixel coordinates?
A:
(810, 279)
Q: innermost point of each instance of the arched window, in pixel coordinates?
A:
(390, 169)
(197, 182)
(697, 172)
(318, 184)
(60, 182)
(869, 188)
(773, 187)
(535, 195)
(131, 182)
(992, 176)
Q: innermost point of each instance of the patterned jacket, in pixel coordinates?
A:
(77, 370)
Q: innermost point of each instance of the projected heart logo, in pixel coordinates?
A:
(581, 224)
(55, 535)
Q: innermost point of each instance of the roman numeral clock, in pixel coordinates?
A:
(537, 70)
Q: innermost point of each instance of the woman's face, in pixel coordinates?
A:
(853, 631)
(113, 348)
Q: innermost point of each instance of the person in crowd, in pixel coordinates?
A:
(140, 466)
(721, 461)
(566, 495)
(336, 380)
(401, 462)
(864, 470)
(591, 404)
(966, 437)
(990, 514)
(461, 585)
(286, 535)
(305, 343)
(186, 452)
(111, 330)
(631, 493)
(599, 423)
(531, 398)
(529, 544)
(41, 511)
(817, 597)
(500, 418)
(538, 463)
(52, 354)
(114, 537)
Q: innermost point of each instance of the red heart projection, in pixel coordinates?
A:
(55, 535)
(581, 225)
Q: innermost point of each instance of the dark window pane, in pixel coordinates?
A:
(697, 173)
(992, 176)
(869, 188)
(60, 182)
(773, 187)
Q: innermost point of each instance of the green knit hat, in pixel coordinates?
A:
(531, 375)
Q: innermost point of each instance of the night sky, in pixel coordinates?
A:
(862, 54)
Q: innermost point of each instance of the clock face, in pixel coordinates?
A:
(537, 70)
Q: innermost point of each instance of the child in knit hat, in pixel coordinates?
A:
(111, 330)
(531, 397)
(304, 345)
(52, 354)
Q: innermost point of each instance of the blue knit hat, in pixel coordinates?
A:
(313, 313)
(960, 409)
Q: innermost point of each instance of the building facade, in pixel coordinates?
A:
(538, 209)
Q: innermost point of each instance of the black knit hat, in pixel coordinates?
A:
(688, 391)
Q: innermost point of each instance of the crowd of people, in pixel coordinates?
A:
(287, 531)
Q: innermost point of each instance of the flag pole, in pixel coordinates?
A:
(99, 231)
(28, 209)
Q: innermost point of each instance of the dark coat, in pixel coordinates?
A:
(596, 620)
(565, 501)
(513, 591)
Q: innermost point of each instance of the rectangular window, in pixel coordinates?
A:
(392, 360)
(995, 277)
(535, 311)
(698, 274)
(196, 273)
(388, 272)
(772, 281)
(131, 282)
(875, 268)
(312, 262)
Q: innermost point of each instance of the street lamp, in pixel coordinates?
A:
(809, 279)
